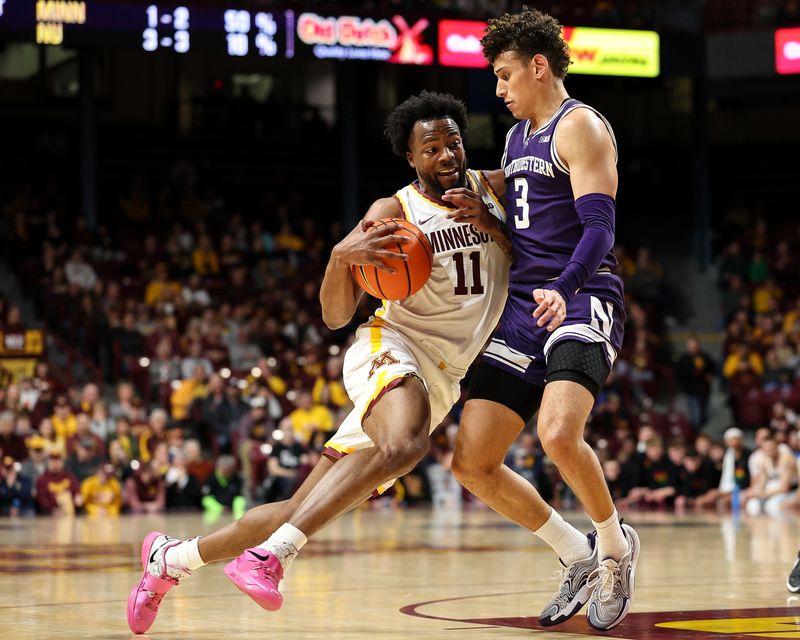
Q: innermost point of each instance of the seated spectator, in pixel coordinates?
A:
(63, 419)
(79, 272)
(196, 465)
(161, 288)
(146, 490)
(16, 490)
(742, 355)
(52, 442)
(224, 489)
(187, 390)
(329, 387)
(735, 476)
(155, 433)
(83, 432)
(84, 461)
(309, 417)
(119, 459)
(194, 294)
(184, 493)
(659, 478)
(36, 464)
(774, 479)
(204, 258)
(283, 464)
(11, 444)
(102, 493)
(125, 403)
(695, 481)
(57, 490)
(123, 433)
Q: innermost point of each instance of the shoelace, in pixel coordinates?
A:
(560, 574)
(604, 579)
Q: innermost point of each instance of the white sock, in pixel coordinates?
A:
(611, 541)
(185, 555)
(569, 543)
(285, 544)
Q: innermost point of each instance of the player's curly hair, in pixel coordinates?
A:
(428, 105)
(527, 34)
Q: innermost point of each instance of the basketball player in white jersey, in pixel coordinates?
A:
(402, 372)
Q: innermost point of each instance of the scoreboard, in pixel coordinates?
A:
(183, 27)
(180, 28)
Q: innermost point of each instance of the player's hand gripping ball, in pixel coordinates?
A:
(409, 275)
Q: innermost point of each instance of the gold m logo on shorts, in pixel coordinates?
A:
(381, 361)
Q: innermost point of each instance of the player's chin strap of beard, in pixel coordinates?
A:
(597, 212)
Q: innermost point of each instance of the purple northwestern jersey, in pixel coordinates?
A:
(545, 229)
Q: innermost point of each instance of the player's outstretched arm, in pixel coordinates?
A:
(339, 294)
(586, 147)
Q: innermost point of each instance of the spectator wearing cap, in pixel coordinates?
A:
(83, 433)
(102, 493)
(11, 444)
(63, 419)
(146, 490)
(36, 464)
(84, 461)
(16, 490)
(57, 490)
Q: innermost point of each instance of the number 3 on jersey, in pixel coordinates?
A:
(522, 218)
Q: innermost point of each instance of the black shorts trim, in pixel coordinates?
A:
(584, 363)
(489, 382)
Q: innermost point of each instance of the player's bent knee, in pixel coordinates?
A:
(559, 443)
(469, 472)
(402, 456)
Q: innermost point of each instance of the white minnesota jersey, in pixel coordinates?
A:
(453, 315)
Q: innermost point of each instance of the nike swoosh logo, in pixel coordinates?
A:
(427, 220)
(155, 551)
(260, 557)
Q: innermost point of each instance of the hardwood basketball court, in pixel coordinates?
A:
(386, 574)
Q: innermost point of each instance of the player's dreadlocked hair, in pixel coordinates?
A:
(527, 34)
(428, 105)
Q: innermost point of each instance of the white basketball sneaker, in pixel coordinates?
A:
(612, 583)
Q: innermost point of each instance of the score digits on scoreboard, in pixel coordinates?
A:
(237, 29)
(166, 30)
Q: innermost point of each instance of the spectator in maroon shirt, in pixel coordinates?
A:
(146, 490)
(83, 424)
(57, 491)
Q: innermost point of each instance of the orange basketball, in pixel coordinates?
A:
(410, 276)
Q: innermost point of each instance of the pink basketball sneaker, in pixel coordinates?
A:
(257, 573)
(158, 578)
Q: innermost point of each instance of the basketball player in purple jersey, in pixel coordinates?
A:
(562, 325)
